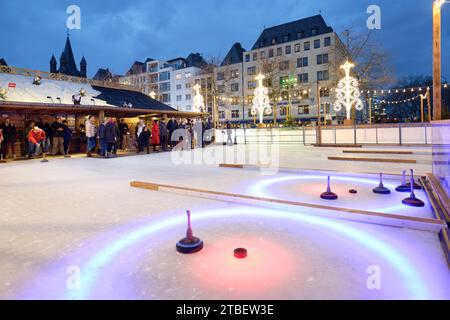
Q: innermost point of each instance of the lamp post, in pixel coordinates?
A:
(437, 56)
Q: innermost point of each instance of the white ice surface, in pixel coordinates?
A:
(67, 211)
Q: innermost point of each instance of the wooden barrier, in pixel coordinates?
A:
(372, 160)
(377, 152)
(233, 166)
(313, 209)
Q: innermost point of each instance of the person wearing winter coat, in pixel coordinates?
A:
(144, 140)
(172, 125)
(101, 138)
(58, 137)
(155, 134)
(36, 138)
(111, 137)
(9, 138)
(164, 135)
(67, 137)
(90, 135)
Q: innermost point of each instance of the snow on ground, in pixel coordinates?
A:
(81, 212)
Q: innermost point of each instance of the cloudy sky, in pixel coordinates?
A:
(115, 33)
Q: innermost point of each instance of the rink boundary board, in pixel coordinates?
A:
(391, 220)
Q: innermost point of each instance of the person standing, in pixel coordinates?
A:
(9, 138)
(172, 125)
(164, 135)
(102, 139)
(90, 135)
(67, 137)
(111, 137)
(116, 145)
(144, 140)
(229, 134)
(155, 134)
(124, 131)
(58, 137)
(36, 138)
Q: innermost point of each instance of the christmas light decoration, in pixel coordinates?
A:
(2, 93)
(261, 102)
(199, 104)
(348, 94)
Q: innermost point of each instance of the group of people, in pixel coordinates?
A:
(43, 137)
(108, 134)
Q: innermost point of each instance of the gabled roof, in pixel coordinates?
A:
(195, 60)
(137, 68)
(70, 67)
(300, 29)
(235, 55)
(103, 75)
(3, 62)
(138, 100)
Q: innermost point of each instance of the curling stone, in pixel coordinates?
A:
(381, 189)
(353, 191)
(328, 195)
(240, 253)
(190, 244)
(404, 186)
(412, 201)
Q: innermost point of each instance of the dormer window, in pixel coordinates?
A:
(300, 34)
(274, 40)
(286, 38)
(314, 31)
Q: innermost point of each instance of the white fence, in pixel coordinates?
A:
(420, 134)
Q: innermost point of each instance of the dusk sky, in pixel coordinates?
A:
(116, 33)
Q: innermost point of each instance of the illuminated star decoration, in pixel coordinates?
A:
(199, 104)
(348, 93)
(261, 102)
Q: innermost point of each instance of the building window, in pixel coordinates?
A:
(279, 52)
(282, 111)
(270, 53)
(221, 89)
(274, 40)
(300, 34)
(286, 38)
(188, 97)
(188, 85)
(222, 114)
(234, 101)
(324, 92)
(304, 94)
(178, 76)
(164, 87)
(327, 42)
(165, 98)
(323, 75)
(250, 115)
(322, 58)
(317, 44)
(297, 47)
(302, 62)
(188, 75)
(234, 87)
(247, 58)
(255, 56)
(303, 78)
(262, 54)
(314, 31)
(251, 71)
(164, 76)
(284, 65)
(288, 49)
(220, 76)
(307, 46)
(252, 84)
(180, 98)
(188, 108)
(235, 114)
(304, 109)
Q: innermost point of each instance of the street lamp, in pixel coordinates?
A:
(437, 56)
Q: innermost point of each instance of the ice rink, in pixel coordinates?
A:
(81, 214)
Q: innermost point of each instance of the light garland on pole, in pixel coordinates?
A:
(261, 101)
(348, 94)
(199, 103)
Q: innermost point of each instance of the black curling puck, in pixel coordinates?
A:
(240, 253)
(353, 191)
